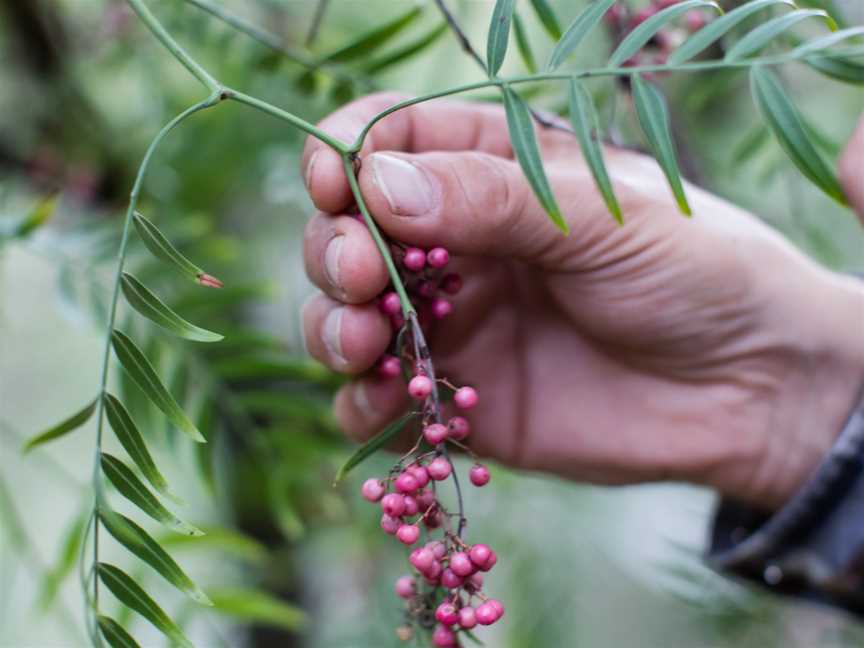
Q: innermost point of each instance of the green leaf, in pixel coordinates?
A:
(142, 372)
(154, 309)
(128, 485)
(139, 542)
(130, 438)
(646, 30)
(162, 249)
(523, 45)
(133, 596)
(258, 368)
(583, 116)
(68, 555)
(282, 507)
(547, 18)
(827, 41)
(750, 144)
(222, 539)
(114, 633)
(38, 216)
(373, 39)
(257, 607)
(499, 35)
(373, 445)
(716, 29)
(407, 51)
(64, 427)
(586, 21)
(524, 143)
(838, 68)
(783, 120)
(654, 120)
(758, 38)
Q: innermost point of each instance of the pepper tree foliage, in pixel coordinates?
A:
(752, 38)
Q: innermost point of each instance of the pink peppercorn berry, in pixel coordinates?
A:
(421, 475)
(411, 506)
(461, 564)
(435, 433)
(393, 504)
(488, 613)
(458, 428)
(390, 304)
(479, 475)
(420, 387)
(406, 483)
(450, 579)
(451, 284)
(372, 490)
(465, 397)
(447, 613)
(443, 637)
(441, 308)
(467, 617)
(439, 469)
(438, 257)
(426, 289)
(438, 549)
(389, 366)
(415, 259)
(405, 587)
(422, 558)
(481, 555)
(390, 525)
(408, 534)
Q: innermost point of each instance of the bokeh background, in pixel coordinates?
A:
(291, 560)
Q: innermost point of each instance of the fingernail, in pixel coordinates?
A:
(361, 400)
(331, 260)
(331, 334)
(307, 177)
(407, 188)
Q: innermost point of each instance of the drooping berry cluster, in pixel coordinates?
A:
(444, 592)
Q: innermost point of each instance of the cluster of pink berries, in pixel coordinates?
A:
(444, 594)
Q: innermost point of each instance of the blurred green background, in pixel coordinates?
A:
(83, 89)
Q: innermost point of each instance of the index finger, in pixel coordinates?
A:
(444, 126)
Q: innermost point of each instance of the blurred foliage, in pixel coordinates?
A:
(88, 88)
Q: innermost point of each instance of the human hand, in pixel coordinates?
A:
(852, 170)
(705, 350)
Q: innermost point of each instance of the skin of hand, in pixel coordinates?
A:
(706, 350)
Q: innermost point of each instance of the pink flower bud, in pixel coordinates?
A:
(479, 475)
(373, 490)
(408, 534)
(405, 587)
(435, 433)
(393, 505)
(420, 387)
(439, 468)
(465, 397)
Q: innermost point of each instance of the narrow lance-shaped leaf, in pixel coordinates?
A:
(635, 40)
(114, 633)
(654, 120)
(257, 607)
(716, 29)
(406, 52)
(838, 68)
(759, 37)
(499, 35)
(68, 555)
(372, 40)
(128, 485)
(787, 126)
(150, 306)
(523, 44)
(524, 143)
(161, 248)
(547, 18)
(827, 41)
(139, 542)
(66, 426)
(222, 540)
(130, 438)
(584, 23)
(373, 445)
(142, 372)
(583, 116)
(133, 596)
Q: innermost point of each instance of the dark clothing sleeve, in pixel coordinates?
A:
(813, 547)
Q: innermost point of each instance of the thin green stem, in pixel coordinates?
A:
(698, 66)
(173, 46)
(284, 115)
(112, 312)
(380, 243)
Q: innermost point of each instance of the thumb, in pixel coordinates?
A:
(471, 203)
(852, 170)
